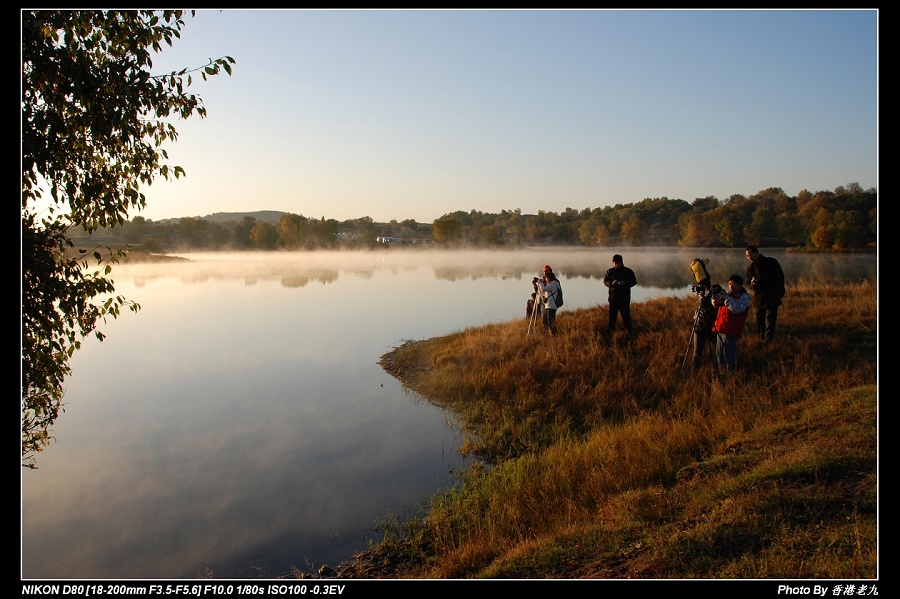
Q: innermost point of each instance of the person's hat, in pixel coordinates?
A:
(547, 268)
(617, 258)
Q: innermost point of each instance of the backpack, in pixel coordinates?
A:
(559, 299)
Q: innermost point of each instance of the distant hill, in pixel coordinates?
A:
(396, 231)
(268, 216)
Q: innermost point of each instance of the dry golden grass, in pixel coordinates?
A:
(599, 456)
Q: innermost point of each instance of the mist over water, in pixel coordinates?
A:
(240, 421)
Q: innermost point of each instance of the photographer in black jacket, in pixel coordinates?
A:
(766, 281)
(620, 279)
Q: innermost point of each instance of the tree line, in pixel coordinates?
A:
(845, 218)
(842, 219)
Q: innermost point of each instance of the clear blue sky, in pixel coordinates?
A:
(398, 114)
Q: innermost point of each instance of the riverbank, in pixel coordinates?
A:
(599, 456)
(105, 252)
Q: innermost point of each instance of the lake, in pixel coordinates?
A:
(239, 424)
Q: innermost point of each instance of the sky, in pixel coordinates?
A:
(413, 114)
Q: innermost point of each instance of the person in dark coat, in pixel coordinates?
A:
(766, 281)
(620, 279)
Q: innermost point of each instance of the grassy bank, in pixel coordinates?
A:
(96, 254)
(598, 456)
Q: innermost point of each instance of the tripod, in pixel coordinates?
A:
(697, 316)
(700, 321)
(535, 308)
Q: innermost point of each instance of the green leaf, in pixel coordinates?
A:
(86, 79)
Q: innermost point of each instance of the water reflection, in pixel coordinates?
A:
(657, 268)
(240, 421)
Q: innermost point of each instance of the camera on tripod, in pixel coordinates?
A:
(703, 290)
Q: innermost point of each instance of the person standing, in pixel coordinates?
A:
(766, 281)
(733, 308)
(620, 279)
(549, 288)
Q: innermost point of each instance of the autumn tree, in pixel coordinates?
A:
(194, 232)
(849, 229)
(241, 233)
(823, 233)
(446, 229)
(264, 235)
(634, 229)
(592, 232)
(292, 230)
(94, 119)
(698, 229)
(728, 227)
(705, 204)
(791, 229)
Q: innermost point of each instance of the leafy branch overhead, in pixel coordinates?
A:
(94, 119)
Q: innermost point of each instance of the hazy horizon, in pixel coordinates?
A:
(412, 114)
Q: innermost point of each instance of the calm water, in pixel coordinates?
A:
(240, 421)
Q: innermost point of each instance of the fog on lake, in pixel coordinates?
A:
(239, 424)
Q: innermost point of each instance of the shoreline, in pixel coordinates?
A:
(836, 419)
